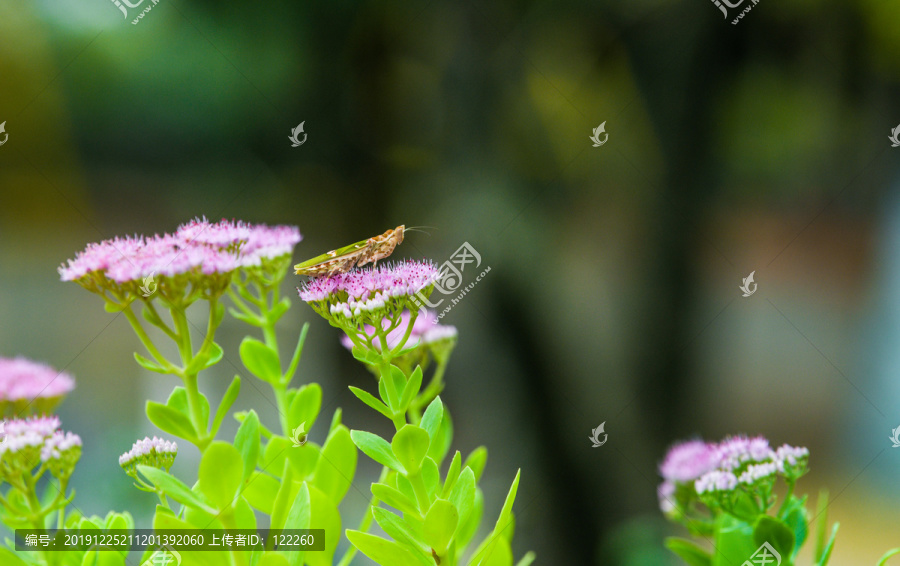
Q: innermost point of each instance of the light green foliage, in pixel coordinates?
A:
(272, 466)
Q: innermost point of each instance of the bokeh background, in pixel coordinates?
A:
(613, 292)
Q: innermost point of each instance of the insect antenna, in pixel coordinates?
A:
(418, 229)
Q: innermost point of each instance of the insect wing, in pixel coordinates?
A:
(315, 265)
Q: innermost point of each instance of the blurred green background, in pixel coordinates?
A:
(613, 292)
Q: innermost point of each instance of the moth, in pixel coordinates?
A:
(344, 259)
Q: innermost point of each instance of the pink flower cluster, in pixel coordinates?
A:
(371, 288)
(198, 246)
(424, 331)
(24, 380)
(736, 461)
(25, 441)
(154, 452)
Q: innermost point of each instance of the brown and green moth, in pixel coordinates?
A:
(344, 259)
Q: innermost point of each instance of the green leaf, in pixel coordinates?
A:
(410, 445)
(412, 389)
(366, 356)
(178, 400)
(221, 473)
(10, 559)
(174, 488)
(384, 552)
(441, 443)
(371, 401)
(246, 440)
(400, 531)
(497, 553)
(452, 474)
(260, 360)
(336, 465)
(796, 518)
(231, 394)
(278, 310)
(284, 498)
(244, 516)
(113, 307)
(298, 518)
(821, 524)
(469, 527)
(394, 498)
(148, 364)
(323, 515)
(463, 496)
(826, 554)
(303, 459)
(477, 460)
(505, 519)
(691, 553)
(431, 420)
(273, 559)
(503, 529)
(305, 406)
(335, 421)
(431, 476)
(298, 351)
(201, 362)
(170, 420)
(246, 318)
(771, 530)
(440, 525)
(260, 491)
(889, 554)
(527, 559)
(377, 449)
(399, 380)
(734, 541)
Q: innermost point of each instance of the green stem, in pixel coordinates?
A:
(281, 401)
(162, 325)
(185, 347)
(194, 405)
(148, 344)
(787, 497)
(409, 327)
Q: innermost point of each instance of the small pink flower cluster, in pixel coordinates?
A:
(735, 462)
(28, 442)
(369, 287)
(370, 296)
(199, 246)
(23, 381)
(154, 452)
